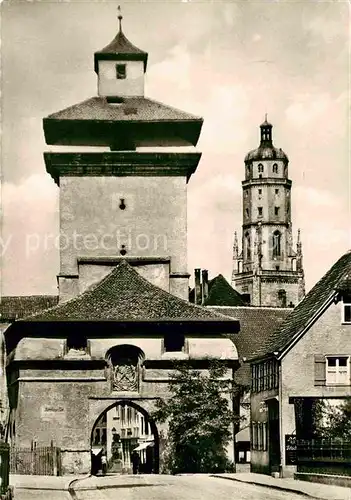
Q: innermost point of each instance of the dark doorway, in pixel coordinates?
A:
(126, 435)
(273, 435)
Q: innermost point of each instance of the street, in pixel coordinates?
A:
(161, 487)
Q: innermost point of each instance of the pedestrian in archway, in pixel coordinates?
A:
(103, 462)
(135, 461)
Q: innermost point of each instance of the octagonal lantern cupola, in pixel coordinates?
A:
(266, 133)
(120, 67)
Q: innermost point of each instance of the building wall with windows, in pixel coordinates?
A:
(122, 78)
(264, 388)
(318, 365)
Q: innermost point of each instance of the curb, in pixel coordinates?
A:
(273, 486)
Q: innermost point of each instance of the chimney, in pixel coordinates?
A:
(204, 285)
(198, 294)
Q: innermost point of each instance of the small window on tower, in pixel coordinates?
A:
(121, 71)
(247, 212)
(260, 191)
(277, 191)
(276, 211)
(260, 167)
(259, 211)
(275, 168)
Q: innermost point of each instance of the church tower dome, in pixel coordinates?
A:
(266, 150)
(268, 270)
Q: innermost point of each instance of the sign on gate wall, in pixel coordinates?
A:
(290, 449)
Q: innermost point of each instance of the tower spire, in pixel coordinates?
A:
(299, 251)
(235, 246)
(120, 17)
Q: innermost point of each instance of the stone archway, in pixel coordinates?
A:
(117, 432)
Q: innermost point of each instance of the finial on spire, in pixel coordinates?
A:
(265, 117)
(120, 17)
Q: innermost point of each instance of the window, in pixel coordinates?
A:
(264, 376)
(77, 343)
(276, 244)
(247, 242)
(275, 168)
(259, 436)
(247, 212)
(260, 191)
(276, 211)
(121, 71)
(259, 211)
(174, 342)
(347, 313)
(260, 168)
(338, 370)
(282, 298)
(277, 191)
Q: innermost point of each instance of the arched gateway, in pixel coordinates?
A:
(64, 375)
(125, 430)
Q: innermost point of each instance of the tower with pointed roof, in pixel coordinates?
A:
(120, 202)
(268, 270)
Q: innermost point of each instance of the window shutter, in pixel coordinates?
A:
(319, 369)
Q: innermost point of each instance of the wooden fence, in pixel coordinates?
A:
(36, 460)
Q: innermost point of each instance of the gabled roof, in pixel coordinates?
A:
(121, 48)
(294, 326)
(15, 307)
(124, 295)
(220, 293)
(256, 325)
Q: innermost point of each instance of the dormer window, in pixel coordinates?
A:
(121, 71)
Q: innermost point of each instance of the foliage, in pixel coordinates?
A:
(200, 418)
(335, 419)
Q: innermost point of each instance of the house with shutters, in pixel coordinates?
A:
(303, 368)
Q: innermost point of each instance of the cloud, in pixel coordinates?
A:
(309, 107)
(30, 211)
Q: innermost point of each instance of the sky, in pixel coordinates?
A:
(229, 62)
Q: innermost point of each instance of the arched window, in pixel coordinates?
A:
(275, 168)
(247, 246)
(293, 265)
(124, 362)
(277, 244)
(260, 168)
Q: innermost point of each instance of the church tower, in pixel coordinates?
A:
(268, 270)
(121, 203)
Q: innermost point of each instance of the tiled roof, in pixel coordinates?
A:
(15, 307)
(256, 325)
(121, 48)
(120, 45)
(294, 325)
(131, 109)
(124, 295)
(220, 293)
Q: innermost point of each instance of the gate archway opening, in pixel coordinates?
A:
(126, 435)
